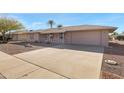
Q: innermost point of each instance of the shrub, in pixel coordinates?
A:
(120, 37)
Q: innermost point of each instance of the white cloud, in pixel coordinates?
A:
(37, 23)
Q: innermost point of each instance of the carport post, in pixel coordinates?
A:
(63, 38)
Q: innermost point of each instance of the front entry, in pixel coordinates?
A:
(57, 38)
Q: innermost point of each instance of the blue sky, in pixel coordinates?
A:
(39, 20)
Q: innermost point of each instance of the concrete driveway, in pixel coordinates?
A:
(68, 61)
(12, 68)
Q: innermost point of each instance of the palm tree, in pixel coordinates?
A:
(51, 23)
(60, 26)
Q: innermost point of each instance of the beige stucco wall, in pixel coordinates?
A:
(18, 37)
(32, 37)
(99, 38)
(55, 39)
(22, 37)
(14, 37)
(105, 38)
(42, 37)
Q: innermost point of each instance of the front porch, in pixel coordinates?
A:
(57, 38)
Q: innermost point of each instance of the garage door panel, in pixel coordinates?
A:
(68, 38)
(88, 38)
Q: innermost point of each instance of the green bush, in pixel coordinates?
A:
(120, 37)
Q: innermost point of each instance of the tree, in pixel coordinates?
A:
(115, 33)
(8, 24)
(60, 26)
(51, 23)
(122, 32)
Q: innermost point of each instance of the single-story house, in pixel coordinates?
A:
(82, 34)
(25, 36)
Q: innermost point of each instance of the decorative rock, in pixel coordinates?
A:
(111, 62)
(28, 45)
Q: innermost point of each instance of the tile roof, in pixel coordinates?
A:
(24, 32)
(78, 28)
(72, 28)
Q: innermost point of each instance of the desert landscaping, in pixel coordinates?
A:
(83, 51)
(115, 52)
(47, 61)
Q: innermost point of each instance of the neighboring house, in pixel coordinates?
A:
(83, 34)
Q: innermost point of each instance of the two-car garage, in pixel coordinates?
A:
(99, 38)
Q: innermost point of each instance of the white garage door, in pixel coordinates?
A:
(85, 37)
